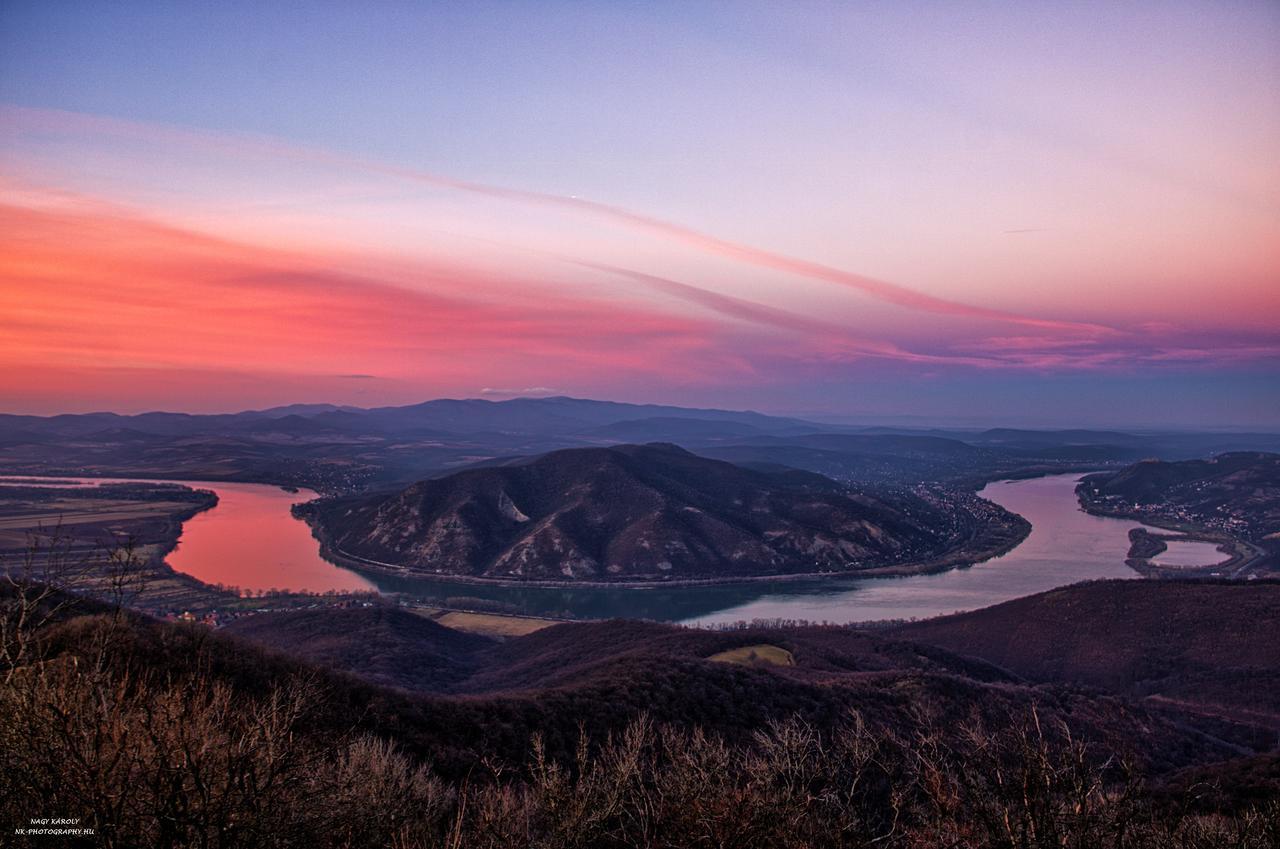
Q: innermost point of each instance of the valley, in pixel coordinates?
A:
(250, 546)
(1065, 546)
(435, 628)
(598, 425)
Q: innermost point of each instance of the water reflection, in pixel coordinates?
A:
(1189, 553)
(251, 540)
(1066, 545)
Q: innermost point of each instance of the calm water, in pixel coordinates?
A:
(1066, 545)
(251, 540)
(1187, 553)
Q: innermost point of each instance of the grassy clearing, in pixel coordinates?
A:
(491, 624)
(757, 655)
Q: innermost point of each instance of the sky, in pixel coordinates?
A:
(1037, 214)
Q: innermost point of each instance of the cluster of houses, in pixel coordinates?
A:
(217, 618)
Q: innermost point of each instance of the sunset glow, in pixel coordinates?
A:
(852, 230)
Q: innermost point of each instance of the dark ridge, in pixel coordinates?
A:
(888, 682)
(1212, 644)
(384, 644)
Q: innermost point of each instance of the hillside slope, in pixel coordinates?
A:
(385, 645)
(635, 512)
(1215, 645)
(599, 676)
(598, 734)
(1236, 493)
(388, 645)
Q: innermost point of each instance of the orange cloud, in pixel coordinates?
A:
(86, 288)
(54, 121)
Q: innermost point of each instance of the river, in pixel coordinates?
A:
(251, 540)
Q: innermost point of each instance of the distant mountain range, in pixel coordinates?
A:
(524, 416)
(634, 512)
(344, 449)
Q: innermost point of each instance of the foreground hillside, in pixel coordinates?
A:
(385, 645)
(648, 512)
(605, 734)
(381, 643)
(1213, 645)
(1202, 650)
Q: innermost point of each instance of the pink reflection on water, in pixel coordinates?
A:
(250, 541)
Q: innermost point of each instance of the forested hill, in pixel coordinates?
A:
(593, 734)
(641, 512)
(1236, 493)
(1207, 643)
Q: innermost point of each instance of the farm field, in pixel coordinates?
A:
(84, 520)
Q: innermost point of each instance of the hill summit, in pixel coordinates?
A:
(630, 512)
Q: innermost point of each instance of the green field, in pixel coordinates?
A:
(763, 654)
(490, 624)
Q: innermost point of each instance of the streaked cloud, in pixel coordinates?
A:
(527, 391)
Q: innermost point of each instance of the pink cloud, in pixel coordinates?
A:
(886, 291)
(85, 289)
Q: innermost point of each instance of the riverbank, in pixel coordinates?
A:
(488, 623)
(286, 480)
(1145, 547)
(1066, 545)
(105, 540)
(977, 483)
(1241, 556)
(116, 544)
